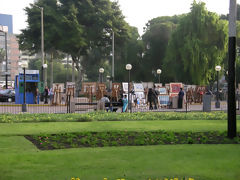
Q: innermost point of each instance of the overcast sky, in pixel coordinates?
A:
(137, 12)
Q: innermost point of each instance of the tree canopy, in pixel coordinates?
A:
(197, 46)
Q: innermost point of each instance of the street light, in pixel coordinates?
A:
(112, 56)
(101, 71)
(159, 71)
(4, 29)
(24, 65)
(217, 104)
(44, 67)
(128, 68)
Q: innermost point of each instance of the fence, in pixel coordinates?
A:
(82, 105)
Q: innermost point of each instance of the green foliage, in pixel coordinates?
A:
(59, 71)
(197, 46)
(126, 138)
(102, 116)
(157, 34)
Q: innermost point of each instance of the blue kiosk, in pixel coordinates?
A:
(32, 81)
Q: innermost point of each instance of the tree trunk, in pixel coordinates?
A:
(51, 72)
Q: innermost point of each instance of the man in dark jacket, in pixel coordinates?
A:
(180, 98)
(152, 98)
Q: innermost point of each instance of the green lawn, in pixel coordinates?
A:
(57, 127)
(19, 159)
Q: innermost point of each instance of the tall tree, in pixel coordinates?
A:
(156, 37)
(197, 46)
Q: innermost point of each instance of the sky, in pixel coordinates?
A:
(137, 12)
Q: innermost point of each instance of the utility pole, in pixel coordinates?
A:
(44, 71)
(6, 60)
(232, 131)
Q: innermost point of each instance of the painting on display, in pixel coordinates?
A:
(147, 85)
(138, 87)
(175, 87)
(162, 90)
(139, 95)
(158, 85)
(163, 99)
(89, 85)
(115, 89)
(125, 87)
(70, 85)
(59, 87)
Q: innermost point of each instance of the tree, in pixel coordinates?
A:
(197, 46)
(60, 73)
(157, 34)
(77, 28)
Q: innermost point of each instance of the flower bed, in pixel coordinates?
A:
(126, 138)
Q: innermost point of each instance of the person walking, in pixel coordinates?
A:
(180, 98)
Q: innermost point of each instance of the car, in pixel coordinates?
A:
(7, 95)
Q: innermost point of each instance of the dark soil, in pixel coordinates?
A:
(125, 138)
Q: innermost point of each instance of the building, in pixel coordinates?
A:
(13, 52)
(7, 20)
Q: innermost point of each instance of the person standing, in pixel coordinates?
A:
(180, 98)
(37, 96)
(125, 103)
(51, 95)
(46, 95)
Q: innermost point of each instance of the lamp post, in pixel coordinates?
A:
(44, 67)
(108, 79)
(232, 122)
(112, 56)
(4, 29)
(101, 71)
(128, 68)
(159, 71)
(24, 65)
(217, 104)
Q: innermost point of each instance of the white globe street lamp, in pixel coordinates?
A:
(159, 71)
(101, 71)
(24, 65)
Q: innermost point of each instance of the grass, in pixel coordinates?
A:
(20, 159)
(61, 127)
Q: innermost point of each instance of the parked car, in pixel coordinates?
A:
(7, 95)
